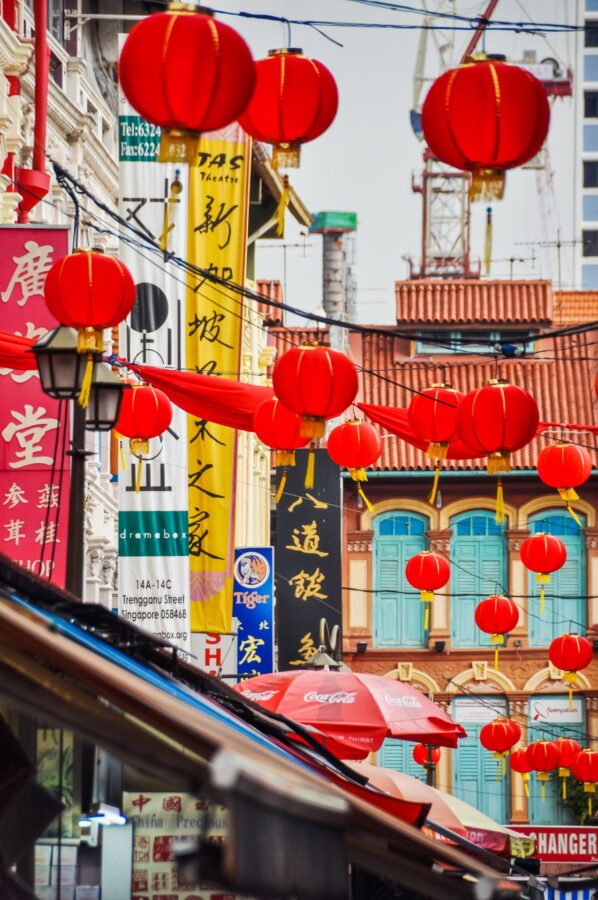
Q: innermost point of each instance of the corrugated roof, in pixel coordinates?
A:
(285, 338)
(573, 307)
(563, 388)
(472, 302)
(272, 290)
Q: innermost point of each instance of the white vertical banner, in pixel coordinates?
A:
(153, 580)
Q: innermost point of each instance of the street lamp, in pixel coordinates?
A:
(105, 399)
(60, 367)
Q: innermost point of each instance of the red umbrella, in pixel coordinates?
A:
(356, 709)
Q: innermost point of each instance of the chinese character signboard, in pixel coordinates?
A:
(153, 583)
(160, 820)
(218, 209)
(308, 559)
(253, 604)
(34, 428)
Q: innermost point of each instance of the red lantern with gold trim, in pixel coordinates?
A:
(518, 762)
(145, 413)
(543, 553)
(496, 616)
(433, 417)
(485, 117)
(186, 72)
(565, 467)
(585, 767)
(280, 429)
(295, 100)
(499, 736)
(315, 382)
(355, 445)
(568, 750)
(570, 653)
(424, 756)
(543, 757)
(427, 572)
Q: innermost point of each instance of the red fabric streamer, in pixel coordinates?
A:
(15, 352)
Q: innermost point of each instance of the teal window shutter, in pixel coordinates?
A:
(567, 611)
(398, 611)
(475, 770)
(478, 569)
(398, 755)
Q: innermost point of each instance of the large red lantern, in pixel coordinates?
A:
(570, 653)
(568, 750)
(427, 572)
(485, 117)
(433, 417)
(543, 757)
(355, 445)
(280, 429)
(543, 553)
(496, 616)
(186, 72)
(426, 755)
(519, 762)
(565, 467)
(146, 413)
(585, 767)
(315, 382)
(499, 736)
(295, 100)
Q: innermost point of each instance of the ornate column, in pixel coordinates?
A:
(444, 767)
(440, 625)
(591, 536)
(519, 803)
(517, 585)
(358, 603)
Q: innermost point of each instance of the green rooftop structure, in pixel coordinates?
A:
(325, 222)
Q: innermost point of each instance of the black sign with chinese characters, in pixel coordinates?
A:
(308, 558)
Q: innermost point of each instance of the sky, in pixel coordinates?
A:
(365, 161)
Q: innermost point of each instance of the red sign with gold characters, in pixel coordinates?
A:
(556, 843)
(34, 471)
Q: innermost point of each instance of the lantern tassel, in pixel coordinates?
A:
(543, 791)
(437, 450)
(564, 782)
(310, 469)
(525, 784)
(487, 185)
(426, 616)
(434, 489)
(499, 461)
(497, 640)
(358, 474)
(542, 600)
(179, 146)
(568, 494)
(500, 515)
(284, 458)
(123, 458)
(286, 155)
(138, 474)
(281, 208)
(83, 398)
(573, 514)
(488, 242)
(542, 578)
(312, 427)
(281, 487)
(90, 340)
(367, 502)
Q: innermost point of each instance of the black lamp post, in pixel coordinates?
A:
(105, 399)
(60, 367)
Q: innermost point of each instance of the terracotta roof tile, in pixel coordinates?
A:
(285, 338)
(272, 290)
(473, 302)
(572, 307)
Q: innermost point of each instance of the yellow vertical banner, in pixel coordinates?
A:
(217, 243)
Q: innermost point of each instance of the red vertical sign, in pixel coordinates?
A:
(34, 472)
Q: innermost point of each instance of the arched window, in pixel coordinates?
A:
(478, 569)
(474, 768)
(550, 718)
(567, 610)
(398, 617)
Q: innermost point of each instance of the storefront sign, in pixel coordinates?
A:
(216, 653)
(556, 843)
(308, 559)
(253, 606)
(473, 711)
(153, 577)
(217, 243)
(557, 710)
(34, 429)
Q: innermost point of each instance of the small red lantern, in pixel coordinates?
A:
(543, 757)
(425, 755)
(496, 616)
(427, 572)
(485, 117)
(568, 750)
(295, 100)
(543, 553)
(565, 467)
(499, 736)
(570, 652)
(433, 417)
(518, 762)
(279, 428)
(355, 445)
(186, 72)
(315, 382)
(585, 767)
(146, 413)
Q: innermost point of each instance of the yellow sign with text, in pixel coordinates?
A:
(218, 211)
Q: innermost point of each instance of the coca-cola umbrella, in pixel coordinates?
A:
(356, 709)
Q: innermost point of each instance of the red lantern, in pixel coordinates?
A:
(427, 572)
(585, 767)
(433, 417)
(543, 757)
(570, 652)
(485, 117)
(317, 383)
(145, 413)
(355, 445)
(568, 750)
(496, 616)
(565, 467)
(186, 72)
(424, 755)
(542, 554)
(295, 100)
(279, 428)
(499, 736)
(518, 762)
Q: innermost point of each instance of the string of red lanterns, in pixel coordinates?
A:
(496, 616)
(280, 429)
(543, 553)
(355, 445)
(565, 467)
(427, 572)
(568, 750)
(499, 736)
(570, 653)
(146, 413)
(543, 757)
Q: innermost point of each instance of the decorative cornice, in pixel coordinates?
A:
(15, 54)
(359, 546)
